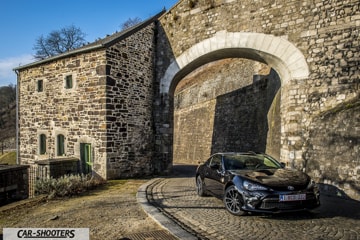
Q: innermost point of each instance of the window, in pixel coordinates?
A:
(40, 85)
(68, 81)
(216, 162)
(60, 145)
(42, 145)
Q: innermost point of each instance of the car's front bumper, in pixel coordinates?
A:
(270, 202)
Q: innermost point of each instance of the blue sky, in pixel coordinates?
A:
(23, 21)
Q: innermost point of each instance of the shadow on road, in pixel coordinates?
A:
(331, 207)
(183, 170)
(335, 206)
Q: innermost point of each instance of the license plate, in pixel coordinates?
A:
(294, 197)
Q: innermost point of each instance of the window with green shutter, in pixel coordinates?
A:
(68, 81)
(60, 145)
(40, 85)
(42, 146)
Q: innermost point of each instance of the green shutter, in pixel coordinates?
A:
(68, 81)
(40, 86)
(86, 157)
(60, 145)
(42, 144)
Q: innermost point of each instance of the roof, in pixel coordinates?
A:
(101, 43)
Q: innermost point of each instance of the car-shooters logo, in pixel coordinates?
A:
(46, 233)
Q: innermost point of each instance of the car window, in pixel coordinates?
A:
(233, 162)
(252, 162)
(244, 161)
(249, 162)
(270, 162)
(260, 162)
(215, 162)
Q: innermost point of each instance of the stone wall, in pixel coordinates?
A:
(302, 22)
(205, 113)
(129, 101)
(108, 107)
(57, 168)
(118, 97)
(241, 118)
(77, 113)
(193, 127)
(333, 148)
(326, 33)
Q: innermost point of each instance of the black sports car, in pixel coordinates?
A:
(255, 182)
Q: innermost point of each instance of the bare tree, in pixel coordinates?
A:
(130, 22)
(58, 41)
(7, 114)
(7, 96)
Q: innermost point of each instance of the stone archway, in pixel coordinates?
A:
(277, 52)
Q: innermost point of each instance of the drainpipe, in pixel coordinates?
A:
(17, 116)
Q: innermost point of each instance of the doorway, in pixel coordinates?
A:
(85, 158)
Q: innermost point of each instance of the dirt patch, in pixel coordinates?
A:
(110, 212)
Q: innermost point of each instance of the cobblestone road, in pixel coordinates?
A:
(206, 217)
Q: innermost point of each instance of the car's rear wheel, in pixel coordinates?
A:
(233, 201)
(200, 186)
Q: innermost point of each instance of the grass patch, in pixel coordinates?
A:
(125, 185)
(8, 158)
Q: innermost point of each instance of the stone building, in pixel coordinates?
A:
(91, 108)
(312, 46)
(208, 75)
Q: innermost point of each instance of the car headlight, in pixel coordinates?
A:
(253, 186)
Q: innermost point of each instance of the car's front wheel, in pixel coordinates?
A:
(233, 201)
(200, 186)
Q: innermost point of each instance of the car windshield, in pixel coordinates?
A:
(249, 162)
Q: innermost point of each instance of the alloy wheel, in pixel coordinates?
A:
(200, 190)
(233, 201)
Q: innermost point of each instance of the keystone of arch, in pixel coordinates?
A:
(277, 52)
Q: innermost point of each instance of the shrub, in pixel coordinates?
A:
(66, 186)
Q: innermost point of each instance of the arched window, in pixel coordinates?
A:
(42, 144)
(60, 145)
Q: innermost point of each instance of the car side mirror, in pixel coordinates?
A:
(283, 165)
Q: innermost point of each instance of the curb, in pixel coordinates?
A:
(158, 216)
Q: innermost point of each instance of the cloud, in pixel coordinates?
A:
(7, 75)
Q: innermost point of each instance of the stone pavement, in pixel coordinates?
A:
(174, 204)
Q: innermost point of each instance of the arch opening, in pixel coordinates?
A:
(211, 57)
(278, 53)
(224, 106)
